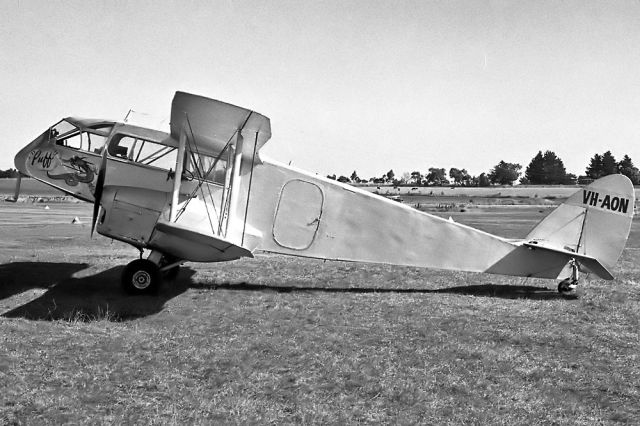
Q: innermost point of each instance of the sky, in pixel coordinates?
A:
(348, 85)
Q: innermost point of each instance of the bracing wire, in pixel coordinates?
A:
(201, 177)
(200, 182)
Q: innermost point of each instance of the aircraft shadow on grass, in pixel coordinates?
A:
(100, 296)
(479, 290)
(89, 298)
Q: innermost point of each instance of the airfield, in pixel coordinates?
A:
(291, 340)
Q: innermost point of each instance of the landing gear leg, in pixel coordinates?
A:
(568, 285)
(170, 266)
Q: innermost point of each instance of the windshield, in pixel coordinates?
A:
(91, 139)
(62, 129)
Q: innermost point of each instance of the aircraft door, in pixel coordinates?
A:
(298, 214)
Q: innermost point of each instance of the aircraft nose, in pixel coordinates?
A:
(24, 156)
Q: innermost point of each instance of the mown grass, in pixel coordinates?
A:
(286, 340)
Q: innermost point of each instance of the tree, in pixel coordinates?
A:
(354, 177)
(390, 175)
(505, 173)
(626, 167)
(602, 165)
(594, 170)
(545, 169)
(554, 171)
(534, 174)
(332, 177)
(483, 180)
(416, 178)
(437, 177)
(609, 164)
(466, 177)
(344, 179)
(460, 177)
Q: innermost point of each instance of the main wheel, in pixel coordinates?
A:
(141, 276)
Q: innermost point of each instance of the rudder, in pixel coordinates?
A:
(595, 221)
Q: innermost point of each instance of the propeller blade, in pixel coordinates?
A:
(99, 187)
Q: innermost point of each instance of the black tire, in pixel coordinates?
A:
(563, 286)
(567, 287)
(141, 276)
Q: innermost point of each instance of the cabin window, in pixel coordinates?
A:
(143, 151)
(97, 136)
(96, 142)
(72, 141)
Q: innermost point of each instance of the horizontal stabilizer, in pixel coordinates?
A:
(592, 264)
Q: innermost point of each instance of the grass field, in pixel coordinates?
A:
(287, 340)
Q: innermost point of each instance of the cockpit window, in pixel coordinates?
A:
(91, 140)
(62, 129)
(143, 151)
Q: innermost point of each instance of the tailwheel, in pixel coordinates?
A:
(568, 286)
(141, 276)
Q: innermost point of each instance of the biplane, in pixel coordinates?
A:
(205, 193)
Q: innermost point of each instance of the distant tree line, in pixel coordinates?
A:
(9, 173)
(544, 169)
(606, 164)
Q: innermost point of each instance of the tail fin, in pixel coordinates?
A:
(594, 222)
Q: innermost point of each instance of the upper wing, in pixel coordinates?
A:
(212, 124)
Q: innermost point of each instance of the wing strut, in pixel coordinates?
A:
(246, 209)
(177, 179)
(235, 184)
